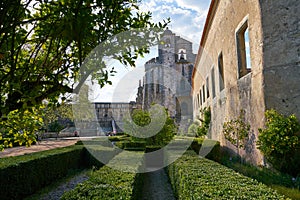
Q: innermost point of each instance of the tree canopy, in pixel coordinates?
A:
(43, 44)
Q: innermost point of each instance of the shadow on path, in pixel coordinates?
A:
(157, 186)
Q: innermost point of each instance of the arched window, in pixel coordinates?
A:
(182, 54)
(168, 42)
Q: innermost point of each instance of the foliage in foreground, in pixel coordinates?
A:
(198, 178)
(109, 183)
(20, 127)
(279, 141)
(43, 46)
(22, 176)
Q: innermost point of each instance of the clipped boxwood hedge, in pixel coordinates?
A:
(131, 145)
(23, 175)
(105, 183)
(193, 177)
(110, 183)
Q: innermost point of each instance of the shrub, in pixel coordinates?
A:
(279, 141)
(142, 118)
(198, 178)
(194, 129)
(236, 131)
(200, 127)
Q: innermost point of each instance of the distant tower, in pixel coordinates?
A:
(139, 98)
(172, 90)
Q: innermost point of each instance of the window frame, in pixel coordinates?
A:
(242, 68)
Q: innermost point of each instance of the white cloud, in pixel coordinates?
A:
(187, 20)
(197, 5)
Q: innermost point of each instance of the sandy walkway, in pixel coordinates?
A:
(40, 146)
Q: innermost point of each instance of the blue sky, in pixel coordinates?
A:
(187, 20)
(187, 16)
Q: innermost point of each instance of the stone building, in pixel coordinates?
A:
(167, 79)
(110, 114)
(249, 59)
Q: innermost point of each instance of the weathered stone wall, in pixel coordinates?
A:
(246, 93)
(281, 39)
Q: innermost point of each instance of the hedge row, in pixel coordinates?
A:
(110, 183)
(193, 177)
(24, 175)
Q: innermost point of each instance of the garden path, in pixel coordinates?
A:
(157, 186)
(40, 146)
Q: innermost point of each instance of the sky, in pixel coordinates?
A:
(187, 20)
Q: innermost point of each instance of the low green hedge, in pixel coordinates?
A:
(96, 155)
(193, 177)
(105, 183)
(104, 142)
(131, 145)
(110, 183)
(23, 175)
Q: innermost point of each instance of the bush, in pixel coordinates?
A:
(194, 129)
(200, 127)
(279, 141)
(142, 118)
(198, 178)
(20, 128)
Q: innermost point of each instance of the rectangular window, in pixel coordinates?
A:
(203, 93)
(213, 82)
(221, 72)
(207, 88)
(200, 97)
(243, 50)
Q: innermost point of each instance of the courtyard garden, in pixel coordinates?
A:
(189, 177)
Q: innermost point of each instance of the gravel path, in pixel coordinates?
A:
(56, 193)
(157, 186)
